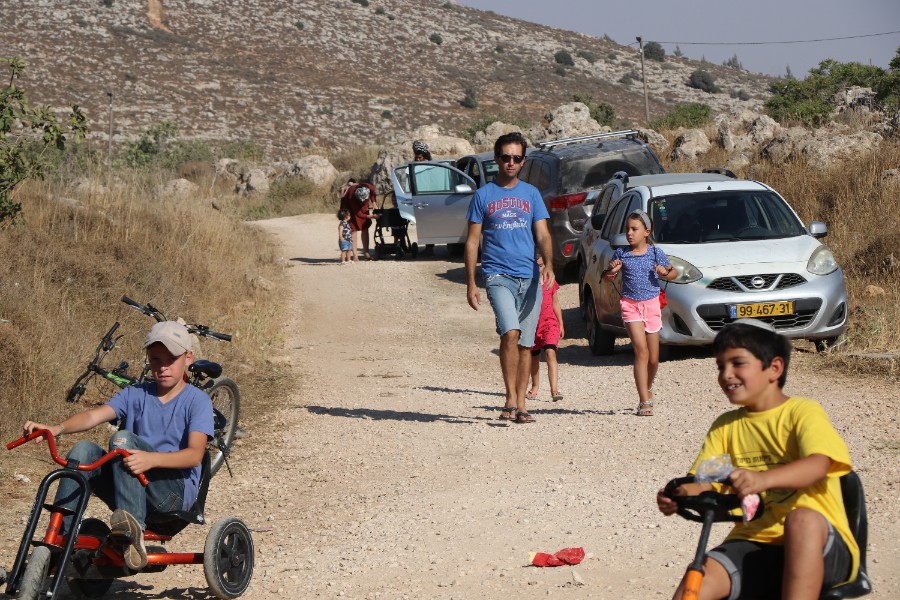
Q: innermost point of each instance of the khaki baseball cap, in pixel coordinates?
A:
(171, 334)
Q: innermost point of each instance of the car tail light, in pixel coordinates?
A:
(567, 248)
(567, 201)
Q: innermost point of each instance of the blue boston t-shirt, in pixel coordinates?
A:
(167, 426)
(507, 217)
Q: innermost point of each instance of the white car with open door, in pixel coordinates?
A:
(435, 197)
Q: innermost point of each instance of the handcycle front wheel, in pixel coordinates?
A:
(226, 401)
(34, 583)
(91, 588)
(228, 558)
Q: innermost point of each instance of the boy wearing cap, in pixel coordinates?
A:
(786, 450)
(165, 426)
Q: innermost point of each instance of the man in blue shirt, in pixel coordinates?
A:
(507, 217)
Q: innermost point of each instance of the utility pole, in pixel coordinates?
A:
(644, 79)
(109, 143)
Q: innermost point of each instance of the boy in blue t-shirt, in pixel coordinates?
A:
(506, 217)
(166, 424)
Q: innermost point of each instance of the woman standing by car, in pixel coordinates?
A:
(359, 201)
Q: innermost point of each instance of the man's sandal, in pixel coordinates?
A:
(645, 409)
(508, 413)
(524, 417)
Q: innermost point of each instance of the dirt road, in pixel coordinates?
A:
(387, 475)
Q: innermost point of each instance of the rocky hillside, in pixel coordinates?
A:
(327, 73)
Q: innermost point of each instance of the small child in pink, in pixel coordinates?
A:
(549, 331)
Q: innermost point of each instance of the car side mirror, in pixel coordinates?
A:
(463, 188)
(620, 240)
(597, 221)
(818, 229)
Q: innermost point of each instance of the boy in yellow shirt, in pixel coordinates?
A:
(786, 450)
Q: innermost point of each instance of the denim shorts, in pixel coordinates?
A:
(345, 246)
(517, 305)
(756, 569)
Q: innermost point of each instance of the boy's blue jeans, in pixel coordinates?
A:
(117, 487)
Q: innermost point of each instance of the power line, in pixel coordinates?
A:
(848, 37)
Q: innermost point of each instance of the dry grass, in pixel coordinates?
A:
(69, 261)
(863, 233)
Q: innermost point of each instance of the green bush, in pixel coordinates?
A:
(499, 49)
(688, 115)
(612, 56)
(809, 100)
(601, 112)
(436, 38)
(702, 80)
(654, 51)
(386, 114)
(360, 2)
(733, 63)
(299, 25)
(564, 58)
(380, 10)
(588, 56)
(470, 98)
(630, 77)
(739, 94)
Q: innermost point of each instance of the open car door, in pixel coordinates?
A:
(435, 196)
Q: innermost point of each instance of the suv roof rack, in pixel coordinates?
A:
(587, 138)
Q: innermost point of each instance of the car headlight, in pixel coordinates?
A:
(687, 273)
(822, 262)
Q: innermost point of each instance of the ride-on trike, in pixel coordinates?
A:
(93, 558)
(710, 507)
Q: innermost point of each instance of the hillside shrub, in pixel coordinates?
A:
(470, 98)
(630, 77)
(739, 94)
(299, 25)
(688, 115)
(703, 80)
(733, 63)
(436, 38)
(150, 146)
(360, 2)
(588, 56)
(809, 100)
(44, 130)
(562, 57)
(612, 56)
(654, 51)
(386, 114)
(560, 70)
(601, 112)
(380, 10)
(499, 49)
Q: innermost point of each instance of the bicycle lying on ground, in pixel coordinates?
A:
(204, 374)
(93, 558)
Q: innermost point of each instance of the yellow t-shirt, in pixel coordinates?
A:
(757, 441)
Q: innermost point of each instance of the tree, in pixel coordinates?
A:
(733, 63)
(564, 58)
(151, 145)
(702, 80)
(22, 149)
(654, 51)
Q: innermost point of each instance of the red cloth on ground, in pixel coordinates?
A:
(566, 556)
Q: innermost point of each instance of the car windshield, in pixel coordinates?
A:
(490, 170)
(727, 216)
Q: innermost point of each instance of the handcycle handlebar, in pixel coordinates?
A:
(693, 508)
(51, 442)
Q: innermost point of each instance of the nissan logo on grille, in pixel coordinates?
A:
(758, 282)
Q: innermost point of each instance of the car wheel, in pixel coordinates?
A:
(582, 269)
(600, 342)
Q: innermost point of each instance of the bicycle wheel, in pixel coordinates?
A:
(226, 401)
(35, 582)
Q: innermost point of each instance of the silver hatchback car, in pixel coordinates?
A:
(740, 251)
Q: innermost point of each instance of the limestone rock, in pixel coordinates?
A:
(691, 144)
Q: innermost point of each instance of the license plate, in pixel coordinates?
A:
(761, 309)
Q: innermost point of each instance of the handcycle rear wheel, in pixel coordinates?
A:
(34, 582)
(226, 401)
(228, 558)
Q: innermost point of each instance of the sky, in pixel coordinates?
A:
(714, 22)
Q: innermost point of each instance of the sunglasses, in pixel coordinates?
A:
(516, 158)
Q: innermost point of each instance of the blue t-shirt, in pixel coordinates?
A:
(639, 279)
(166, 426)
(507, 217)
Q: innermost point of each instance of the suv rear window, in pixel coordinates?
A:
(591, 172)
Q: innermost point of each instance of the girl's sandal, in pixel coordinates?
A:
(524, 417)
(508, 413)
(556, 396)
(531, 395)
(645, 409)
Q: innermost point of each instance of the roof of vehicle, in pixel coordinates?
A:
(673, 178)
(489, 155)
(692, 187)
